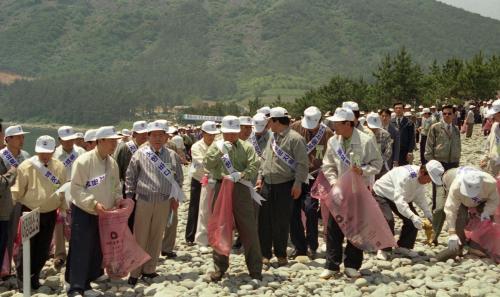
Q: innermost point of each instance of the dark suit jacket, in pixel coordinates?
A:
(391, 128)
(406, 138)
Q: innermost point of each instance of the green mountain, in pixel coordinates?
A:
(170, 52)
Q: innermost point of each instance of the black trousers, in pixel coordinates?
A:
(84, 255)
(423, 141)
(300, 239)
(335, 252)
(408, 233)
(4, 236)
(39, 246)
(274, 219)
(194, 206)
(446, 166)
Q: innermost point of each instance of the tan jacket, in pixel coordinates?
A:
(363, 145)
(34, 190)
(488, 196)
(442, 146)
(492, 150)
(87, 167)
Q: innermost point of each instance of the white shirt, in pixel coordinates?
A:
(198, 151)
(401, 186)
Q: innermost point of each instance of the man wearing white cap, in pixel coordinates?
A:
(470, 119)
(283, 171)
(11, 156)
(265, 110)
(316, 135)
(491, 159)
(396, 192)
(235, 159)
(79, 140)
(383, 138)
(198, 212)
(427, 122)
(90, 139)
(37, 181)
(154, 177)
(406, 135)
(261, 135)
(245, 127)
(469, 188)
(355, 109)
(67, 152)
(95, 187)
(353, 150)
(124, 153)
(387, 125)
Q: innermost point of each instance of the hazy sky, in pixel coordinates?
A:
(489, 8)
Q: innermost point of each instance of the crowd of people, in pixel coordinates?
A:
(273, 161)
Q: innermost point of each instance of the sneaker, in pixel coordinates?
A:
(327, 273)
(282, 261)
(216, 276)
(189, 243)
(92, 293)
(169, 255)
(204, 250)
(132, 281)
(256, 276)
(382, 255)
(150, 275)
(352, 273)
(406, 252)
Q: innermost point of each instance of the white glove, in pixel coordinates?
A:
(417, 222)
(454, 243)
(485, 217)
(224, 146)
(235, 177)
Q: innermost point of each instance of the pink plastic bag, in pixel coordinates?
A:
(320, 190)
(487, 235)
(497, 212)
(5, 269)
(357, 213)
(121, 253)
(221, 222)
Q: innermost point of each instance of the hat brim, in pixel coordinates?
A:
(436, 179)
(116, 136)
(157, 129)
(212, 132)
(309, 124)
(228, 130)
(246, 124)
(17, 134)
(335, 118)
(469, 192)
(42, 150)
(260, 128)
(71, 137)
(140, 131)
(372, 126)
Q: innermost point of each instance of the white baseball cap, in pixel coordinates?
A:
(171, 130)
(407, 114)
(79, 135)
(158, 125)
(230, 124)
(14, 131)
(312, 116)
(66, 133)
(107, 132)
(209, 127)
(266, 110)
(45, 144)
(426, 110)
(278, 112)
(260, 122)
(140, 127)
(433, 107)
(245, 121)
(351, 105)
(90, 135)
(436, 171)
(472, 106)
(126, 132)
(407, 106)
(495, 108)
(420, 106)
(373, 120)
(470, 183)
(342, 114)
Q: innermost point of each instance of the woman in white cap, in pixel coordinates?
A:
(491, 159)
(67, 152)
(348, 149)
(154, 177)
(95, 187)
(469, 188)
(396, 192)
(37, 181)
(11, 156)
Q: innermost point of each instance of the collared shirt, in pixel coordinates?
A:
(87, 167)
(317, 154)
(362, 146)
(34, 190)
(442, 145)
(61, 155)
(242, 156)
(198, 152)
(384, 142)
(276, 171)
(7, 180)
(426, 125)
(488, 195)
(401, 186)
(122, 157)
(146, 181)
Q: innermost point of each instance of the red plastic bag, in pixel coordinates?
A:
(497, 212)
(121, 253)
(5, 269)
(221, 222)
(487, 235)
(357, 213)
(320, 190)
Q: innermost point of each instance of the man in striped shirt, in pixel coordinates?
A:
(156, 183)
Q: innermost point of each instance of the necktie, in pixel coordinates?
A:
(399, 122)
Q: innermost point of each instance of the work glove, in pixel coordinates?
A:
(417, 222)
(235, 176)
(224, 146)
(485, 216)
(454, 243)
